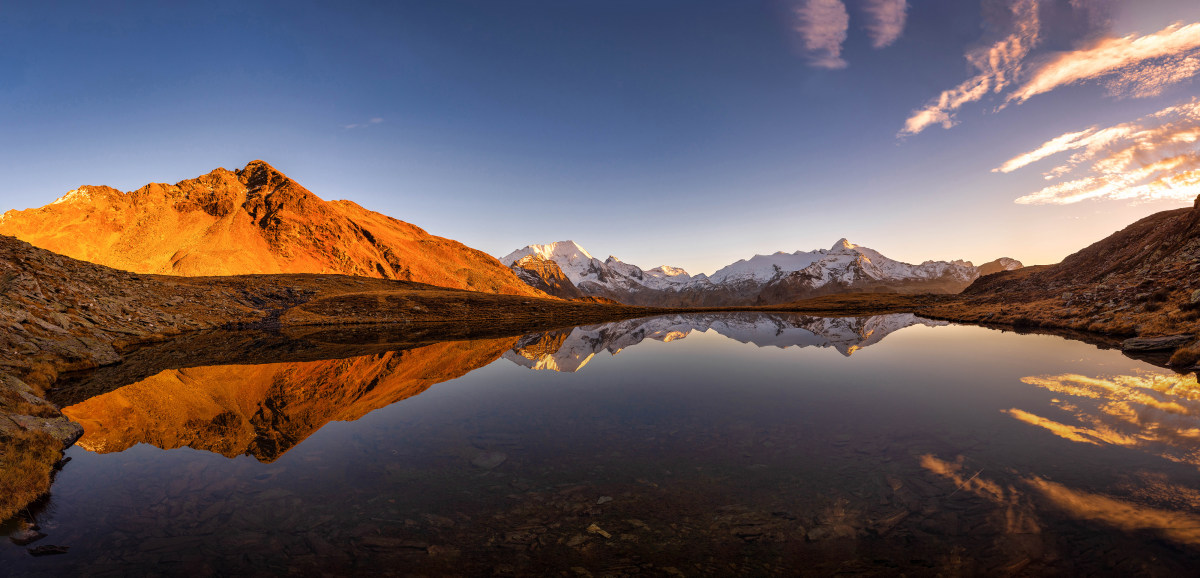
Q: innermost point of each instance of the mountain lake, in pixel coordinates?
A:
(688, 445)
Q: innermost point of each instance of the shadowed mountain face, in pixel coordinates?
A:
(254, 220)
(545, 275)
(570, 350)
(265, 410)
(1160, 250)
(1141, 280)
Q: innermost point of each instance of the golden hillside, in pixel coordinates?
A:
(254, 220)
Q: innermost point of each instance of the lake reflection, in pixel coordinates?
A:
(711, 445)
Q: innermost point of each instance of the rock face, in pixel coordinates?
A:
(253, 220)
(760, 280)
(546, 276)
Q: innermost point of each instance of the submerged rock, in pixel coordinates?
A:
(489, 460)
(26, 536)
(48, 550)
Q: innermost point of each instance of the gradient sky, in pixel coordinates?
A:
(691, 132)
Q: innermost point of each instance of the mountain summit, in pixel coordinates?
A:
(252, 220)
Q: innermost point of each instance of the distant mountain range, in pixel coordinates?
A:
(248, 221)
(569, 350)
(567, 270)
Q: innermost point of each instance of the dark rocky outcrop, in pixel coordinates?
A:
(546, 276)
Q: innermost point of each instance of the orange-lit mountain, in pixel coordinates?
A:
(265, 410)
(253, 220)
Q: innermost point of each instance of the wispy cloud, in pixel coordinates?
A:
(369, 122)
(822, 25)
(885, 21)
(1156, 157)
(998, 66)
(1142, 65)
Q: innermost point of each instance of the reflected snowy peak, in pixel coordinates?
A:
(569, 350)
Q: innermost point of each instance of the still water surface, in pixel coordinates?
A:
(684, 445)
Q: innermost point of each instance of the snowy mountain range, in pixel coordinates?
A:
(760, 280)
(570, 349)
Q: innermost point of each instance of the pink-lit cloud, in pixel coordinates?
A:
(885, 20)
(998, 65)
(1156, 157)
(822, 25)
(1143, 64)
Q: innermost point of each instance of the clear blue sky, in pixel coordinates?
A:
(690, 132)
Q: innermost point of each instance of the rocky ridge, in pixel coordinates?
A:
(1142, 281)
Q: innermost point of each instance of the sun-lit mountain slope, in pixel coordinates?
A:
(253, 220)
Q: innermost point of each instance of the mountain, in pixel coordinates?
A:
(760, 280)
(1142, 280)
(1001, 264)
(253, 220)
(569, 350)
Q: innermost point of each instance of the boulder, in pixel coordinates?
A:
(1164, 343)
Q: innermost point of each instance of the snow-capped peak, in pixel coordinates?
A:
(613, 274)
(566, 250)
(842, 245)
(762, 268)
(576, 263)
(668, 275)
(668, 271)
